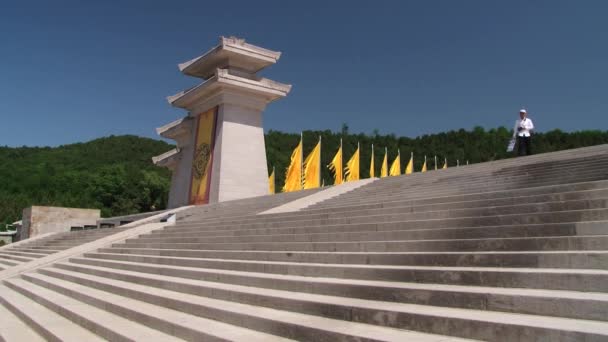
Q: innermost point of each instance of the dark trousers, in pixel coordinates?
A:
(523, 146)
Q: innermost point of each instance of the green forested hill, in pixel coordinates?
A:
(116, 175)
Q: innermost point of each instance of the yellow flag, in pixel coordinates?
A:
(372, 167)
(396, 166)
(352, 167)
(424, 165)
(445, 164)
(293, 176)
(271, 189)
(384, 169)
(410, 165)
(312, 168)
(336, 166)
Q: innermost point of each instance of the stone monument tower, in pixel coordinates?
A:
(220, 152)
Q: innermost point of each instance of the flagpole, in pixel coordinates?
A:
(373, 163)
(435, 162)
(319, 160)
(341, 162)
(399, 155)
(359, 157)
(302, 161)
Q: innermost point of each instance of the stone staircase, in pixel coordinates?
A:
(512, 250)
(26, 252)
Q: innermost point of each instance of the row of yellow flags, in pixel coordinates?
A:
(306, 173)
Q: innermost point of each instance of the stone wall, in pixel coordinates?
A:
(40, 220)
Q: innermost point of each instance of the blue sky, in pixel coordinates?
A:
(71, 71)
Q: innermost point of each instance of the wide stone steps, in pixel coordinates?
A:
(160, 307)
(579, 219)
(513, 250)
(43, 323)
(427, 192)
(13, 256)
(559, 243)
(556, 303)
(12, 328)
(454, 310)
(244, 206)
(504, 231)
(416, 187)
(530, 259)
(548, 278)
(381, 215)
(591, 190)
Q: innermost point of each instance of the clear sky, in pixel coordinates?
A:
(71, 71)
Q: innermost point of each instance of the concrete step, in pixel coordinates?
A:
(369, 232)
(379, 232)
(479, 178)
(375, 235)
(440, 199)
(578, 305)
(570, 216)
(8, 256)
(377, 191)
(14, 329)
(23, 254)
(554, 243)
(411, 208)
(542, 259)
(269, 321)
(107, 325)
(45, 247)
(392, 214)
(47, 324)
(530, 278)
(33, 250)
(181, 325)
(8, 263)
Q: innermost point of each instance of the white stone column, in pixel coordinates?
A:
(239, 166)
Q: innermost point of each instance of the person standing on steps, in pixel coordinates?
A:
(523, 132)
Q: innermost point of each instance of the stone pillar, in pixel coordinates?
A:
(221, 153)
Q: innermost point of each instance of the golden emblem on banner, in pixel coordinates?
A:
(201, 159)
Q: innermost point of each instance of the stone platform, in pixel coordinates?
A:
(512, 250)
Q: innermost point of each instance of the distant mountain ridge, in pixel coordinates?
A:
(116, 174)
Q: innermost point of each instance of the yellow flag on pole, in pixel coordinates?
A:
(312, 168)
(293, 176)
(336, 166)
(410, 165)
(424, 165)
(396, 165)
(271, 189)
(352, 167)
(384, 169)
(372, 167)
(445, 164)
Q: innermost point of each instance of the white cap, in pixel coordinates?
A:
(523, 111)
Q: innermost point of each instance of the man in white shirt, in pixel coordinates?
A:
(523, 131)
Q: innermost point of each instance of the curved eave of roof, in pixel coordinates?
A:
(270, 89)
(166, 159)
(230, 51)
(174, 129)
